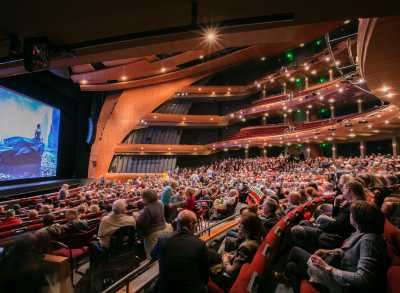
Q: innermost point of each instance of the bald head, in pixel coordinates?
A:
(187, 219)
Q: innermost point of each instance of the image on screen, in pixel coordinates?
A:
(28, 137)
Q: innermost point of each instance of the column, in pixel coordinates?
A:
(307, 116)
(263, 91)
(264, 152)
(330, 74)
(395, 147)
(362, 149)
(308, 152)
(359, 106)
(246, 153)
(284, 87)
(332, 111)
(306, 82)
(334, 150)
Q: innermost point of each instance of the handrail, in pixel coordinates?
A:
(125, 281)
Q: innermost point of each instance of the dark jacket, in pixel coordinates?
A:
(341, 226)
(183, 263)
(151, 218)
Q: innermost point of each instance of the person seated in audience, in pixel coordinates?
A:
(166, 196)
(94, 209)
(63, 193)
(82, 209)
(269, 217)
(74, 223)
(112, 222)
(10, 219)
(333, 231)
(17, 209)
(182, 257)
(190, 199)
(45, 209)
(151, 221)
(391, 210)
(293, 201)
(250, 230)
(359, 265)
(33, 214)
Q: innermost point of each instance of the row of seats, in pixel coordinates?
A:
(154, 135)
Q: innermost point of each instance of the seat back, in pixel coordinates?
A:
(122, 240)
(79, 240)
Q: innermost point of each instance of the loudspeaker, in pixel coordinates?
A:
(36, 54)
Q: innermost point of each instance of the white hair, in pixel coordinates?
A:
(119, 206)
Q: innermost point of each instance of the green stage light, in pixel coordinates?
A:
(318, 42)
(322, 80)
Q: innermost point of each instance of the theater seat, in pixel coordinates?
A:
(213, 288)
(393, 277)
(75, 252)
(307, 287)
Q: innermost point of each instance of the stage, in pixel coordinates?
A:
(20, 190)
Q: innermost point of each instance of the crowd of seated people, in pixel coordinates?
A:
(151, 204)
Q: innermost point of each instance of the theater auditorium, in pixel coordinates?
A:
(199, 146)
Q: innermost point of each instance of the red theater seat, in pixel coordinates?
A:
(307, 287)
(393, 277)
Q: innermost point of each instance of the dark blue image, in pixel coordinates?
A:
(28, 137)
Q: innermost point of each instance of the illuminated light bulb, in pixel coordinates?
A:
(232, 115)
(124, 77)
(83, 81)
(376, 131)
(292, 79)
(287, 75)
(212, 119)
(331, 100)
(321, 98)
(155, 117)
(347, 21)
(266, 114)
(201, 57)
(301, 45)
(313, 72)
(329, 138)
(307, 68)
(359, 101)
(327, 59)
(337, 62)
(386, 121)
(309, 106)
(379, 115)
(337, 85)
(369, 125)
(213, 93)
(384, 88)
(301, 99)
(315, 137)
(263, 58)
(361, 80)
(211, 35)
(352, 135)
(199, 89)
(389, 95)
(340, 90)
(163, 69)
(272, 80)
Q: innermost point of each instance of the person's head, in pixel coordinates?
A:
(233, 193)
(71, 214)
(186, 220)
(343, 180)
(94, 209)
(269, 206)
(48, 220)
(366, 217)
(119, 207)
(82, 209)
(189, 192)
(353, 190)
(250, 227)
(149, 196)
(45, 209)
(33, 214)
(10, 214)
(17, 208)
(294, 198)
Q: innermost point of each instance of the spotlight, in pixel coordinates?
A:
(211, 35)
